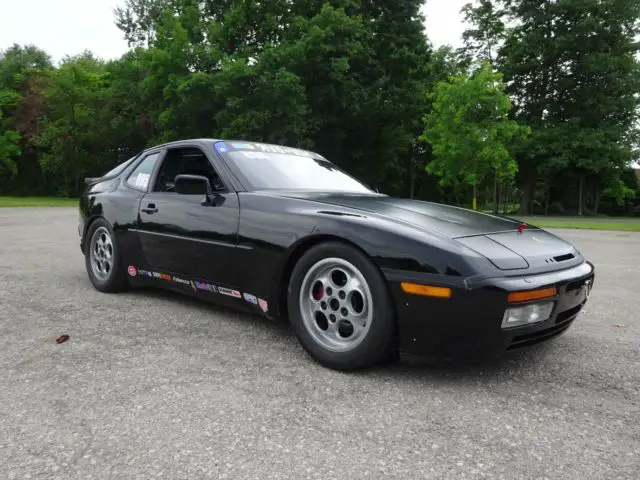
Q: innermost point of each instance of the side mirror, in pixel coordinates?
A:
(193, 185)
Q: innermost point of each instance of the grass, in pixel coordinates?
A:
(586, 225)
(38, 202)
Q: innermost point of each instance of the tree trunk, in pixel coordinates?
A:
(412, 178)
(496, 195)
(475, 204)
(528, 191)
(412, 184)
(546, 200)
(507, 198)
(456, 195)
(580, 194)
(597, 204)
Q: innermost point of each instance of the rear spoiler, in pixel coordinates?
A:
(92, 180)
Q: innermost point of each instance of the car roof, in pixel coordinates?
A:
(183, 141)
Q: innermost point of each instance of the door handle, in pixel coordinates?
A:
(150, 208)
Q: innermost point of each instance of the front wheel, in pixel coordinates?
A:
(341, 308)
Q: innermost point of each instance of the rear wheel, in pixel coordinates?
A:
(102, 259)
(340, 307)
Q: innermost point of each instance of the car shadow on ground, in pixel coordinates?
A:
(503, 367)
(507, 365)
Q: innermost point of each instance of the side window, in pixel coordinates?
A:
(139, 178)
(189, 161)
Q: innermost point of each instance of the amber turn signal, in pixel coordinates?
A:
(526, 296)
(426, 290)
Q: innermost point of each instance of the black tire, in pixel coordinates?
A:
(378, 342)
(116, 279)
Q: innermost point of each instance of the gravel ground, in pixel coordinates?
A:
(156, 385)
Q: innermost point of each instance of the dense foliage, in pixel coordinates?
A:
(356, 80)
(572, 72)
(470, 130)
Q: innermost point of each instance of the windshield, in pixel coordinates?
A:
(288, 168)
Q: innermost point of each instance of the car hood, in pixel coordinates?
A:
(496, 238)
(446, 220)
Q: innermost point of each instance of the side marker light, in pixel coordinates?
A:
(426, 290)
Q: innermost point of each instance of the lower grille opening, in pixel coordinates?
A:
(572, 312)
(540, 336)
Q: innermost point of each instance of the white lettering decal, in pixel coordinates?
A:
(142, 180)
(265, 148)
(256, 155)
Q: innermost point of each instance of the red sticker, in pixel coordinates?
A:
(132, 271)
(264, 306)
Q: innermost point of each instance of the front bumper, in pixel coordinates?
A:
(469, 323)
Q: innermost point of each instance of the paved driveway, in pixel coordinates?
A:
(154, 385)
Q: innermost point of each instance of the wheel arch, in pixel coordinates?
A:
(87, 228)
(279, 295)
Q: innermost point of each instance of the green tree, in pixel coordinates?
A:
(127, 106)
(572, 72)
(347, 76)
(24, 74)
(75, 133)
(483, 39)
(469, 130)
(9, 140)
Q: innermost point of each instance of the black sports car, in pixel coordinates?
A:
(285, 233)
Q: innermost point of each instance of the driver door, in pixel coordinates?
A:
(181, 234)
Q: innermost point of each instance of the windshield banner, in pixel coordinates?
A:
(261, 148)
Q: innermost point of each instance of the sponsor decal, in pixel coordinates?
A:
(204, 286)
(142, 180)
(256, 148)
(285, 150)
(229, 292)
(164, 276)
(273, 148)
(145, 273)
(250, 298)
(255, 155)
(222, 147)
(243, 146)
(132, 271)
(264, 306)
(181, 280)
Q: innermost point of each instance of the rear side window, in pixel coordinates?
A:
(139, 178)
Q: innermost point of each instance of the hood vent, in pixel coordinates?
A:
(560, 258)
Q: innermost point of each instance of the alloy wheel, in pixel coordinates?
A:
(101, 254)
(336, 304)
